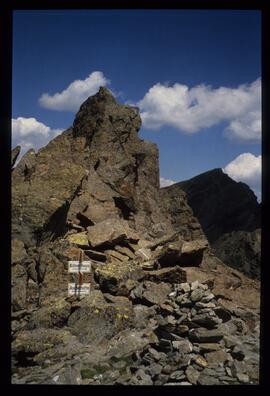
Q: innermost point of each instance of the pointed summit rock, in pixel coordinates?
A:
(96, 170)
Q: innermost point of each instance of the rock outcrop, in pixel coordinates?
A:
(14, 155)
(228, 213)
(96, 170)
(162, 308)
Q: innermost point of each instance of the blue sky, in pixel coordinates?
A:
(194, 74)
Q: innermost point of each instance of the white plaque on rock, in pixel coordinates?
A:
(75, 289)
(77, 266)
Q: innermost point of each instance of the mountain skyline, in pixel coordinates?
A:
(195, 76)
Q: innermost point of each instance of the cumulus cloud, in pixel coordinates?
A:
(191, 109)
(30, 133)
(166, 182)
(246, 168)
(247, 127)
(75, 94)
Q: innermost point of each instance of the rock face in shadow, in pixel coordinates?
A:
(228, 213)
(182, 216)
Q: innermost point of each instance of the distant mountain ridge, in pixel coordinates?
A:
(229, 215)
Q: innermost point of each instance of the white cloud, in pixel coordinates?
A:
(166, 182)
(246, 168)
(75, 94)
(191, 109)
(30, 133)
(246, 127)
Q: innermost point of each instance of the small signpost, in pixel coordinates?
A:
(78, 288)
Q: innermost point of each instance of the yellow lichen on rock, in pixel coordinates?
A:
(80, 238)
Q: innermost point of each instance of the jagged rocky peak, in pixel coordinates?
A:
(102, 109)
(228, 213)
(98, 169)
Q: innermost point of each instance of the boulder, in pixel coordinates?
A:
(192, 252)
(110, 232)
(114, 254)
(169, 254)
(19, 287)
(80, 239)
(18, 252)
(167, 274)
(99, 322)
(118, 278)
(192, 375)
(129, 341)
(55, 314)
(154, 293)
(29, 343)
(204, 335)
(206, 320)
(209, 347)
(196, 295)
(219, 356)
(125, 250)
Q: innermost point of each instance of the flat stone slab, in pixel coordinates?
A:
(204, 335)
(168, 274)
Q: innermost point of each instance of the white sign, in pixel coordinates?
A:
(78, 290)
(77, 266)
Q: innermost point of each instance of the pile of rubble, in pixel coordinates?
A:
(161, 334)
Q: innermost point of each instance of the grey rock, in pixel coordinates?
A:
(207, 380)
(141, 378)
(205, 335)
(206, 320)
(155, 354)
(18, 252)
(155, 293)
(219, 356)
(167, 369)
(14, 155)
(184, 383)
(196, 295)
(192, 252)
(54, 315)
(154, 369)
(162, 379)
(243, 378)
(209, 347)
(223, 313)
(177, 376)
(192, 375)
(167, 274)
(185, 287)
(238, 352)
(184, 346)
